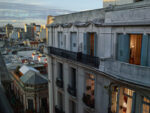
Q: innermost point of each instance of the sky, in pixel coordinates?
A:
(20, 12)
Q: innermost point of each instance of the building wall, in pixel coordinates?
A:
(101, 96)
(25, 53)
(128, 14)
(103, 34)
(110, 70)
(106, 3)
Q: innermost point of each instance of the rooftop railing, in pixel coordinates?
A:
(76, 56)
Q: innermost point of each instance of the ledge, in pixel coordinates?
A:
(124, 71)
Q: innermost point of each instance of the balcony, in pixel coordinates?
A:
(88, 101)
(59, 82)
(128, 72)
(58, 110)
(76, 56)
(71, 91)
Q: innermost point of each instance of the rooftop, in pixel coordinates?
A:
(33, 78)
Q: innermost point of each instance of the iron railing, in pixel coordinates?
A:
(76, 56)
(59, 82)
(58, 110)
(71, 91)
(88, 100)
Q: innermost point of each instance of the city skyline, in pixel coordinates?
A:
(20, 12)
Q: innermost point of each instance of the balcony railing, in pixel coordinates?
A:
(58, 110)
(71, 91)
(88, 101)
(59, 82)
(76, 56)
(129, 72)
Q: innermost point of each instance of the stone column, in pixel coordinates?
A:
(66, 81)
(50, 85)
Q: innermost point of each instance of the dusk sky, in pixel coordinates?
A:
(19, 12)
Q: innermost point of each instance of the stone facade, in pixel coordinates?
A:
(117, 85)
(107, 3)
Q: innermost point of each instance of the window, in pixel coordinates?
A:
(72, 106)
(90, 44)
(88, 96)
(129, 48)
(60, 71)
(128, 100)
(73, 78)
(44, 102)
(60, 40)
(60, 101)
(30, 104)
(114, 99)
(146, 105)
(90, 84)
(128, 92)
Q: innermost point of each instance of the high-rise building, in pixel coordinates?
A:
(29, 29)
(9, 28)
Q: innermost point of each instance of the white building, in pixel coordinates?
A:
(107, 3)
(14, 35)
(98, 61)
(42, 34)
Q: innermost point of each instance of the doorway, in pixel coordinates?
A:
(91, 41)
(30, 104)
(135, 49)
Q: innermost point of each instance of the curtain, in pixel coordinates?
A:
(135, 49)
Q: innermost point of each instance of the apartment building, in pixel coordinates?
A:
(98, 60)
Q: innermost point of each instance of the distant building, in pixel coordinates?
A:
(9, 28)
(33, 44)
(50, 20)
(31, 89)
(2, 32)
(42, 34)
(32, 31)
(14, 35)
(29, 30)
(17, 33)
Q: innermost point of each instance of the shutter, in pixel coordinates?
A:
(71, 41)
(144, 50)
(85, 43)
(123, 47)
(148, 52)
(88, 44)
(133, 102)
(58, 39)
(119, 52)
(64, 42)
(126, 47)
(95, 44)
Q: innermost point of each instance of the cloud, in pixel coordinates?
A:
(17, 13)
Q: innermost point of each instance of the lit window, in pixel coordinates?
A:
(146, 105)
